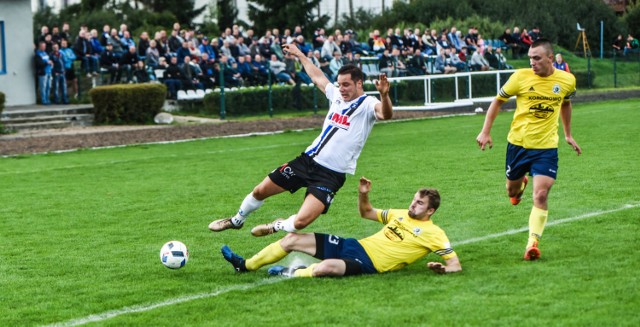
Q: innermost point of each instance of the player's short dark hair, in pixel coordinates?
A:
(542, 42)
(433, 196)
(353, 70)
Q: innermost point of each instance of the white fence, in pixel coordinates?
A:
(459, 101)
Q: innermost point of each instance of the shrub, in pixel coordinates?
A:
(127, 103)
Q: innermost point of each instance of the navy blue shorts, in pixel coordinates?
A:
(303, 171)
(348, 249)
(533, 161)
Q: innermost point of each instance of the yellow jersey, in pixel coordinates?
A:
(538, 104)
(404, 240)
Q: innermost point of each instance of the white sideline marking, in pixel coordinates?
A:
(552, 223)
(142, 308)
(148, 307)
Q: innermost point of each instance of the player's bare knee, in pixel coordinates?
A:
(540, 196)
(259, 193)
(288, 241)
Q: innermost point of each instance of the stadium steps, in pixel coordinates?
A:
(21, 118)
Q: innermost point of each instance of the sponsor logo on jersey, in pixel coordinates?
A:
(340, 121)
(541, 111)
(394, 233)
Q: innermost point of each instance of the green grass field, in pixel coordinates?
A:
(81, 232)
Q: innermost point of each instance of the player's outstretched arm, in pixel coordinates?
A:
(364, 206)
(316, 75)
(484, 138)
(451, 265)
(565, 114)
(384, 109)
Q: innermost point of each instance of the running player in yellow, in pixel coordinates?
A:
(407, 236)
(543, 94)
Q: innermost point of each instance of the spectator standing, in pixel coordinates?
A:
(44, 66)
(58, 75)
(69, 58)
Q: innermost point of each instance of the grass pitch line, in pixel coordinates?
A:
(142, 308)
(148, 307)
(551, 223)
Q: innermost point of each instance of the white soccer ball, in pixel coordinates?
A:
(479, 110)
(174, 254)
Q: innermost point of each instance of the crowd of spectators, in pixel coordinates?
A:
(185, 58)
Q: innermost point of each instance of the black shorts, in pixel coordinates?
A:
(321, 182)
(70, 74)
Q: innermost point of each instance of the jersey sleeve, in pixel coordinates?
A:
(383, 216)
(510, 88)
(330, 91)
(572, 90)
(440, 245)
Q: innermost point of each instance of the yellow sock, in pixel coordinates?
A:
(270, 254)
(537, 220)
(305, 272)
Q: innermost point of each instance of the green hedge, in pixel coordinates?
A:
(255, 100)
(127, 103)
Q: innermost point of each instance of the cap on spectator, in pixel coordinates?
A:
(205, 39)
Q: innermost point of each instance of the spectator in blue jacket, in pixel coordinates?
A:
(44, 66)
(58, 74)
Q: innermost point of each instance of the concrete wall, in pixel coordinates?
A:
(17, 79)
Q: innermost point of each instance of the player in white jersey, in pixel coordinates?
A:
(322, 168)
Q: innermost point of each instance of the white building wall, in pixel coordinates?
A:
(17, 80)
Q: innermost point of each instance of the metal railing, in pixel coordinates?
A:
(467, 99)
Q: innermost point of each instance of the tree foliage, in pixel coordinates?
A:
(632, 18)
(184, 10)
(556, 18)
(227, 14)
(268, 14)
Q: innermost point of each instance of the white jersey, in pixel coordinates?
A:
(344, 131)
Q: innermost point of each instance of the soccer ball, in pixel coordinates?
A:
(174, 254)
(479, 110)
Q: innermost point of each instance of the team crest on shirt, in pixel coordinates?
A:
(417, 231)
(556, 89)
